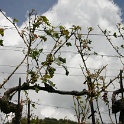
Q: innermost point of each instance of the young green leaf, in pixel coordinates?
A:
(61, 27)
(1, 31)
(15, 20)
(62, 59)
(1, 42)
(122, 46)
(33, 105)
(45, 20)
(67, 72)
(90, 28)
(47, 76)
(43, 38)
(56, 35)
(115, 35)
(51, 71)
(68, 44)
(95, 53)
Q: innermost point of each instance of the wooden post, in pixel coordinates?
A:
(28, 112)
(92, 112)
(121, 117)
(18, 109)
(121, 83)
(91, 101)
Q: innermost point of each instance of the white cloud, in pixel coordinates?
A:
(61, 113)
(85, 13)
(11, 36)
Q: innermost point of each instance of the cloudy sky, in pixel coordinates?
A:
(85, 13)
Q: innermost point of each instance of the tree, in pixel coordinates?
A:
(46, 121)
(44, 66)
